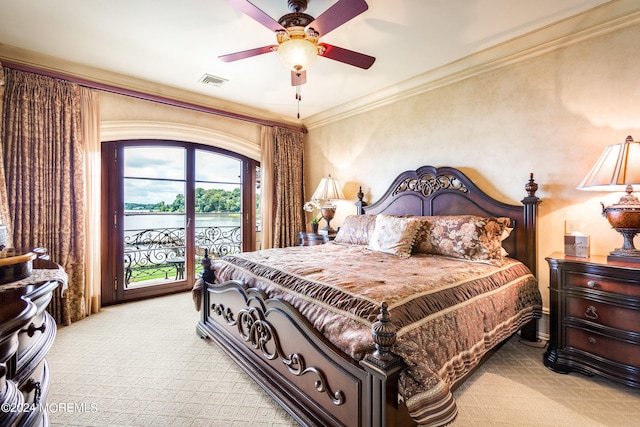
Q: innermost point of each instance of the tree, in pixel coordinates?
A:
(212, 200)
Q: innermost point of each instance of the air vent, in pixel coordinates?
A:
(209, 79)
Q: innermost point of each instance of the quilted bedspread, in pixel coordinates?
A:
(449, 312)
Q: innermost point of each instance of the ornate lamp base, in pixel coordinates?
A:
(328, 212)
(624, 217)
(628, 251)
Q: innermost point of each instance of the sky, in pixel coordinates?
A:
(167, 166)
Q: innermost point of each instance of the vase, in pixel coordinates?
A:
(314, 227)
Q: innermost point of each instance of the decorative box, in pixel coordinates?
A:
(576, 245)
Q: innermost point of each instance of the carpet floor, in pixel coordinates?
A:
(142, 364)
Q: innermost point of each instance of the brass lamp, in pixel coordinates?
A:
(328, 189)
(618, 169)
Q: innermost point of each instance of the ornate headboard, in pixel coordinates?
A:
(447, 191)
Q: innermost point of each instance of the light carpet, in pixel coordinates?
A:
(142, 364)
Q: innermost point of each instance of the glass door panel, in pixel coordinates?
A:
(218, 204)
(154, 216)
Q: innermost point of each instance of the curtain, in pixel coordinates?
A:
(90, 114)
(45, 177)
(267, 185)
(288, 181)
(5, 219)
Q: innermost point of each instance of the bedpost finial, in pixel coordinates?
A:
(384, 334)
(360, 203)
(207, 272)
(531, 187)
(384, 311)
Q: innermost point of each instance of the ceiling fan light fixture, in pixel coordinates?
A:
(298, 35)
(297, 54)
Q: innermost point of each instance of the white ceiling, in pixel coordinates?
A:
(175, 43)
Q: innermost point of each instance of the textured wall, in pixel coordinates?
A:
(551, 114)
(125, 117)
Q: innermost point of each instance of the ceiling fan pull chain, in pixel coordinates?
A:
(299, 98)
(298, 92)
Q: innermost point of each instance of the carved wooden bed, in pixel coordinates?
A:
(314, 380)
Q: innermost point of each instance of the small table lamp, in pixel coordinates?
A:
(328, 189)
(618, 169)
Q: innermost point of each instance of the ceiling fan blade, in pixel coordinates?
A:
(253, 12)
(247, 53)
(338, 14)
(347, 56)
(298, 78)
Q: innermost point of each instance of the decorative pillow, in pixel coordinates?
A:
(506, 233)
(467, 237)
(356, 230)
(394, 235)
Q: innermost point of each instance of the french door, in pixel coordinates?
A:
(164, 204)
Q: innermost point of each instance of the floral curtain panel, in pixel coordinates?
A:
(45, 177)
(266, 182)
(4, 202)
(289, 218)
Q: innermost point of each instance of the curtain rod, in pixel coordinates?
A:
(148, 97)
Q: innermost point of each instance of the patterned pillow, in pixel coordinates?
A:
(356, 230)
(467, 237)
(394, 235)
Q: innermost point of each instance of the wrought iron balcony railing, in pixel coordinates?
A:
(158, 252)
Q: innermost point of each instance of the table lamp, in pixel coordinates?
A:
(618, 169)
(328, 189)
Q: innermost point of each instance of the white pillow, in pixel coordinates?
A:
(394, 235)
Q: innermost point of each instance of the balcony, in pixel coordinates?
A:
(157, 255)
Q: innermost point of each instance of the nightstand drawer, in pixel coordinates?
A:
(605, 347)
(603, 314)
(599, 283)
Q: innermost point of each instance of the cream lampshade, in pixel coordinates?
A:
(618, 169)
(328, 189)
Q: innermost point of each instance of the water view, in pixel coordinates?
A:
(140, 221)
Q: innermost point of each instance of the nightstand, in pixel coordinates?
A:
(594, 317)
(311, 239)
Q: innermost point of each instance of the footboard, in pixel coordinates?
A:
(307, 375)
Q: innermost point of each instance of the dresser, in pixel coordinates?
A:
(27, 332)
(594, 317)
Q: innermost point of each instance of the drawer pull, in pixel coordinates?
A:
(31, 330)
(592, 283)
(590, 313)
(591, 340)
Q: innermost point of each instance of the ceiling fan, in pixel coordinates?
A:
(298, 33)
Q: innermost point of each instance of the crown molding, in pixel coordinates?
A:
(128, 85)
(598, 21)
(593, 23)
